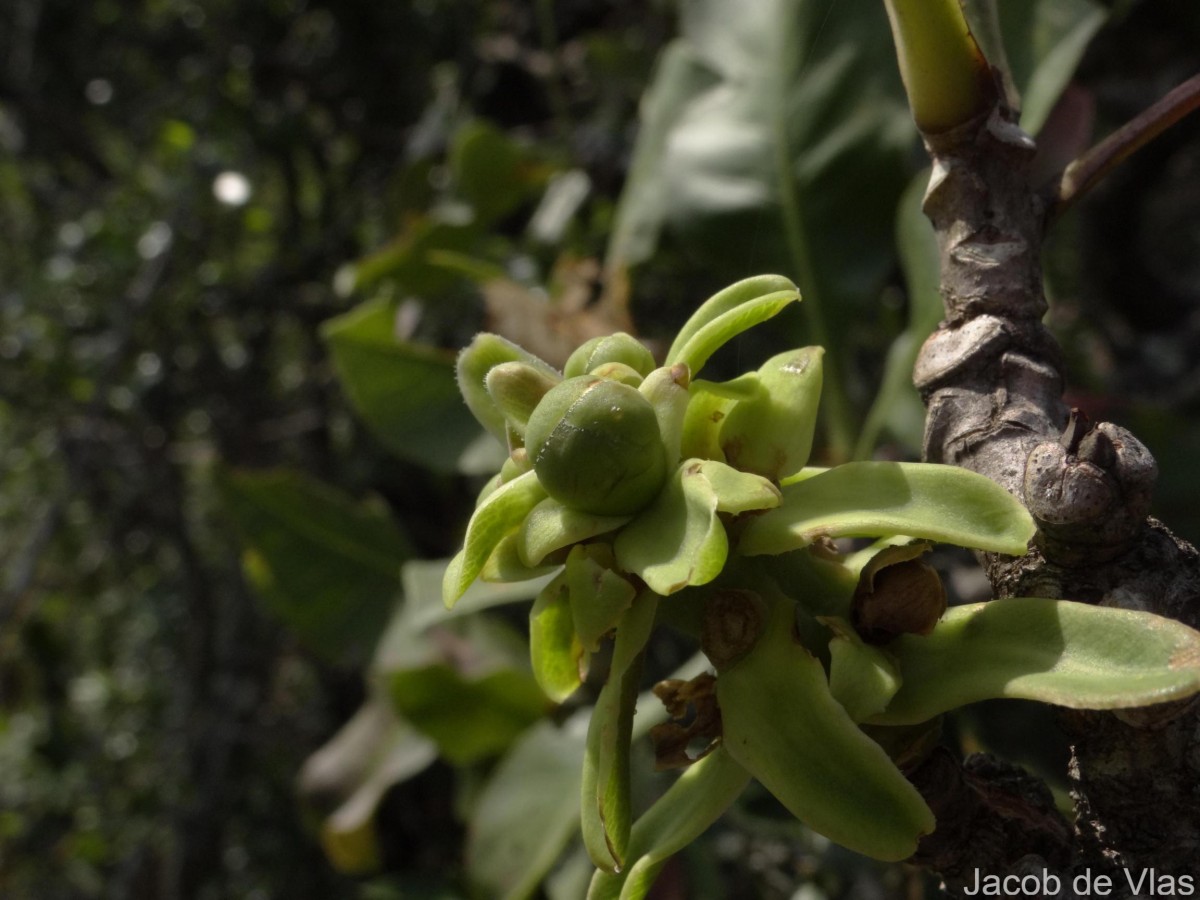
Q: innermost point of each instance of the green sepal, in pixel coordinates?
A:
(723, 302)
(862, 678)
(599, 597)
(605, 801)
(667, 391)
(551, 526)
(475, 361)
(516, 388)
(559, 659)
(693, 803)
(738, 492)
(1057, 651)
(784, 726)
(500, 513)
(771, 433)
(678, 540)
(879, 499)
(505, 564)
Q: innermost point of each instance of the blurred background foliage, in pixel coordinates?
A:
(242, 242)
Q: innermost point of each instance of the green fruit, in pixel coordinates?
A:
(596, 446)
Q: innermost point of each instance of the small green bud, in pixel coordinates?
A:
(771, 433)
(619, 347)
(516, 388)
(483, 354)
(616, 371)
(596, 447)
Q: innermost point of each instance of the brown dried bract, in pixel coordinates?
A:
(696, 698)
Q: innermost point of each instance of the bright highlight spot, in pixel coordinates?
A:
(231, 188)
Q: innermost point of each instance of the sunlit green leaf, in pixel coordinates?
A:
(723, 302)
(871, 499)
(708, 339)
(1056, 651)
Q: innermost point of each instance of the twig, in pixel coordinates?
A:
(1083, 174)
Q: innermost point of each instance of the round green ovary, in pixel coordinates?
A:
(596, 447)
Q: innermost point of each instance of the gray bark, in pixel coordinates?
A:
(992, 378)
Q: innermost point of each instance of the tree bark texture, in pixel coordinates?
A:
(992, 378)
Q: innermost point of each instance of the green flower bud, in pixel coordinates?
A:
(619, 347)
(596, 447)
(516, 388)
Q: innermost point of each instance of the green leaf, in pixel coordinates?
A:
(711, 337)
(784, 726)
(527, 811)
(327, 566)
(879, 499)
(678, 540)
(505, 563)
(605, 799)
(551, 526)
(472, 717)
(775, 138)
(405, 393)
(492, 172)
(556, 652)
(1056, 651)
(694, 802)
(498, 515)
(722, 303)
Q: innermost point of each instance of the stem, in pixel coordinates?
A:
(1084, 173)
(947, 78)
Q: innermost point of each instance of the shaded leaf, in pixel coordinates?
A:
(1056, 651)
(694, 802)
(470, 716)
(369, 754)
(784, 726)
(327, 566)
(516, 833)
(599, 596)
(405, 393)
